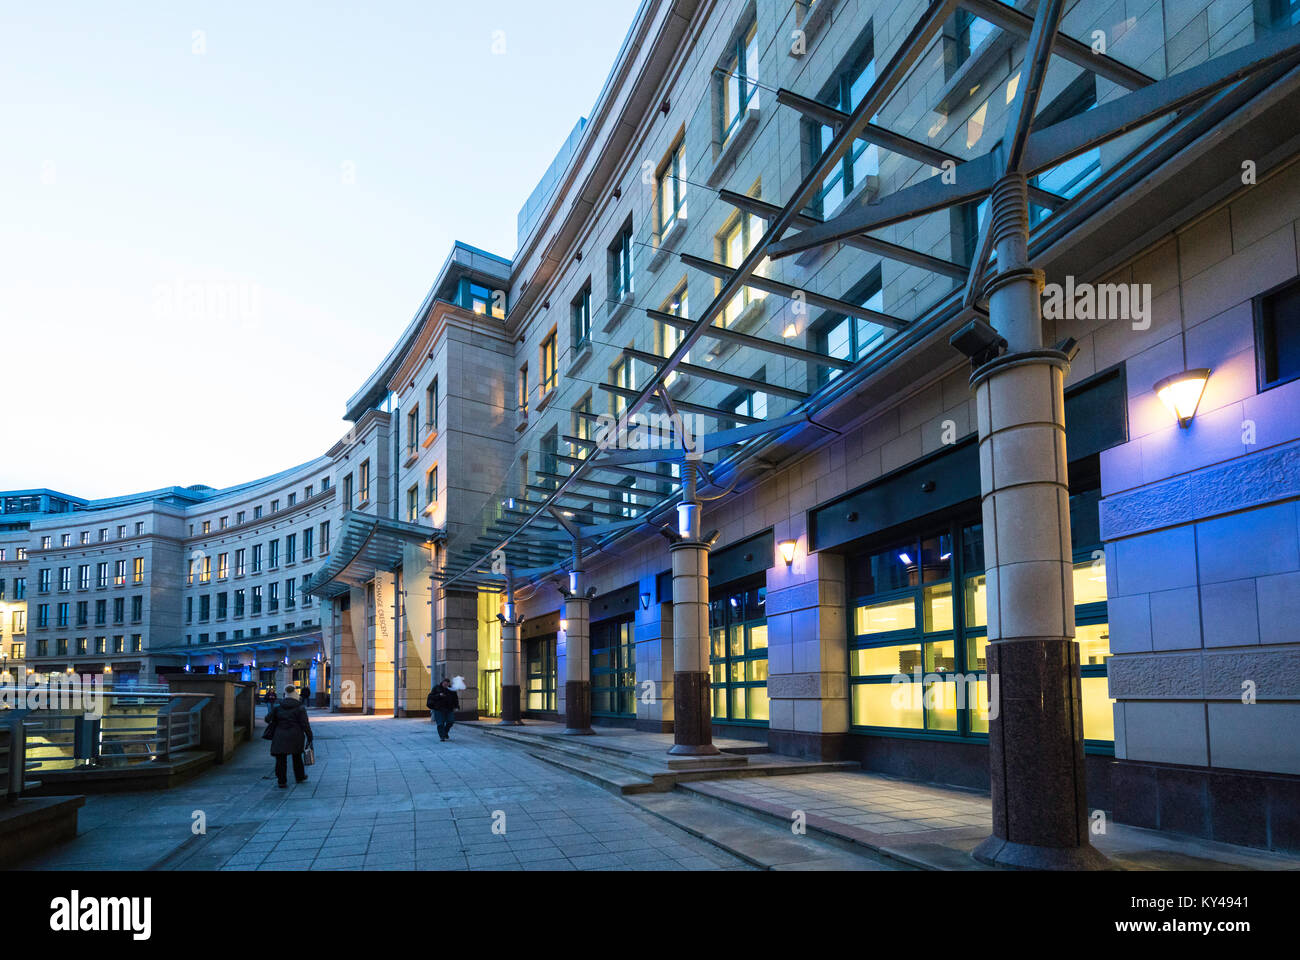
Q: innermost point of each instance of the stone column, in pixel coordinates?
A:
(692, 718)
(1040, 816)
(577, 660)
(511, 668)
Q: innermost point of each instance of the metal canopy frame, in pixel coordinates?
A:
(1027, 151)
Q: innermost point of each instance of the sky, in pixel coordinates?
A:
(216, 218)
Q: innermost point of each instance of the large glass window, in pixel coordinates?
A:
(621, 265)
(613, 668)
(920, 615)
(734, 244)
(738, 654)
(580, 315)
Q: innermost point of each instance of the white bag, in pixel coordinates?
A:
(458, 683)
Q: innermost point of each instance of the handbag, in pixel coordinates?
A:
(269, 732)
(309, 756)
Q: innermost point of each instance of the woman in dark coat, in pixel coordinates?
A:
(290, 736)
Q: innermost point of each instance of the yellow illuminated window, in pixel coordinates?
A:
(1094, 644)
(886, 661)
(1090, 580)
(885, 617)
(936, 606)
(888, 705)
(1098, 709)
(976, 602)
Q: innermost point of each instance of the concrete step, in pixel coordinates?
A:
(613, 767)
(928, 859)
(756, 841)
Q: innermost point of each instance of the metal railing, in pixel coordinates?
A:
(13, 753)
(136, 726)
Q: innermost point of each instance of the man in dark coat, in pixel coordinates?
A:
(290, 736)
(444, 703)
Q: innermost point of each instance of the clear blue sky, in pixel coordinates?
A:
(217, 217)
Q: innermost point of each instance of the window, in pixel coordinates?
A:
(624, 500)
(65, 578)
(239, 517)
(205, 569)
(621, 264)
(1069, 178)
(623, 375)
(61, 647)
(119, 572)
(137, 569)
(20, 553)
(137, 608)
(84, 539)
(431, 406)
(239, 562)
(308, 535)
(257, 513)
(222, 606)
(291, 593)
(273, 597)
(223, 566)
(1277, 335)
(20, 588)
(239, 603)
(962, 36)
(207, 526)
(275, 506)
(205, 608)
(431, 486)
(484, 301)
(83, 613)
(580, 318)
(291, 548)
(733, 245)
(671, 190)
(920, 612)
(121, 531)
(46, 543)
(43, 580)
(257, 601)
(364, 477)
(83, 577)
(737, 82)
(119, 609)
(101, 612)
(546, 364)
(413, 430)
(293, 498)
(845, 92)
(257, 558)
(101, 574)
(347, 491)
(413, 504)
(523, 390)
(42, 615)
(137, 643)
(223, 523)
(189, 610)
(582, 429)
(851, 338)
(65, 540)
(306, 492)
(324, 537)
(669, 337)
(613, 668)
(273, 554)
(746, 403)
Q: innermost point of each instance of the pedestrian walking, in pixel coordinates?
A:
(444, 703)
(290, 734)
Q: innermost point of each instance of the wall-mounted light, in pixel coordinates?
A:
(787, 551)
(564, 626)
(645, 601)
(1181, 394)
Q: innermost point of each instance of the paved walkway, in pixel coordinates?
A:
(384, 795)
(936, 827)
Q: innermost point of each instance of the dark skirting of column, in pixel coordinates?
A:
(1036, 752)
(577, 707)
(693, 721)
(510, 712)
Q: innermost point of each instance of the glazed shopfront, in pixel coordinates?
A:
(916, 604)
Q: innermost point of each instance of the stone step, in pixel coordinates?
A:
(603, 775)
(653, 772)
(937, 859)
(755, 840)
